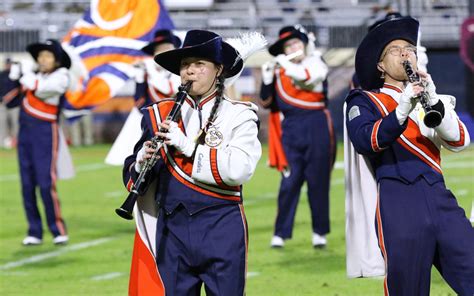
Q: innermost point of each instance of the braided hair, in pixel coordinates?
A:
(212, 116)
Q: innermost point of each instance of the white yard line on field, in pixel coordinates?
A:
(339, 165)
(63, 250)
(116, 193)
(107, 276)
(92, 167)
(457, 156)
(79, 169)
(252, 274)
(458, 179)
(14, 273)
(458, 165)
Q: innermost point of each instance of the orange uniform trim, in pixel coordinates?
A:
(462, 137)
(244, 223)
(212, 96)
(298, 97)
(153, 119)
(331, 137)
(414, 137)
(38, 108)
(129, 185)
(214, 169)
(276, 154)
(411, 139)
(185, 164)
(373, 137)
(10, 95)
(54, 193)
(308, 75)
(392, 87)
(381, 240)
(194, 186)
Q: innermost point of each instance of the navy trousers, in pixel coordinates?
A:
(309, 145)
(421, 225)
(208, 247)
(37, 154)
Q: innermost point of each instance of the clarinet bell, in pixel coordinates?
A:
(432, 118)
(126, 209)
(124, 213)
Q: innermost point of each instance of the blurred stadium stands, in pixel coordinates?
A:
(338, 23)
(339, 26)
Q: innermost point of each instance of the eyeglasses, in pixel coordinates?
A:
(397, 51)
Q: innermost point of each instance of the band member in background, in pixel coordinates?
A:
(155, 83)
(9, 94)
(201, 230)
(303, 148)
(418, 220)
(38, 139)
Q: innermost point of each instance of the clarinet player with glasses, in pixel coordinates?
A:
(417, 219)
(191, 226)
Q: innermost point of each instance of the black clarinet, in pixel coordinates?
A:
(126, 209)
(432, 117)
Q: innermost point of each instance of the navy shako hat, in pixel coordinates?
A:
(369, 51)
(387, 17)
(161, 36)
(202, 44)
(53, 46)
(286, 33)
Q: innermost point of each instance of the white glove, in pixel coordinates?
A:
(139, 72)
(282, 60)
(140, 158)
(268, 70)
(406, 104)
(177, 139)
(29, 81)
(293, 70)
(15, 71)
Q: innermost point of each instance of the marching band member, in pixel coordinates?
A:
(153, 84)
(422, 57)
(303, 148)
(38, 139)
(200, 235)
(418, 220)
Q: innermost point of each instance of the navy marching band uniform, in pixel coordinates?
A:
(299, 92)
(418, 220)
(201, 230)
(38, 142)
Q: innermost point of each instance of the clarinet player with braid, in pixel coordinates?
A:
(191, 227)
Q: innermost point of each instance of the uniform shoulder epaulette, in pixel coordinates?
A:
(355, 93)
(245, 105)
(167, 100)
(234, 102)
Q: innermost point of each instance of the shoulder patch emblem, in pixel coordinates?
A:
(213, 137)
(354, 112)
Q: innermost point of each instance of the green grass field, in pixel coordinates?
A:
(97, 259)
